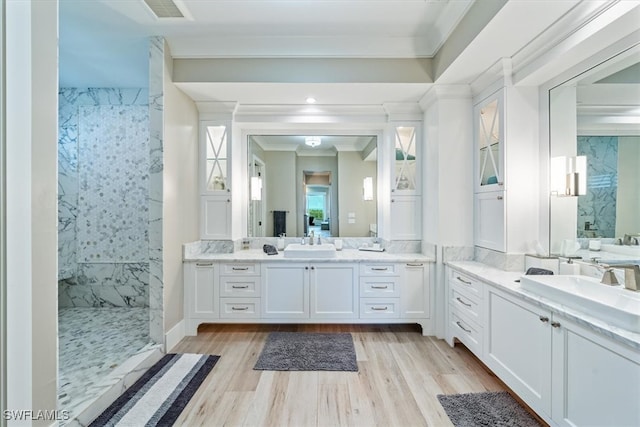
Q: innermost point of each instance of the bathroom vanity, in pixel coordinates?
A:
(353, 286)
(568, 363)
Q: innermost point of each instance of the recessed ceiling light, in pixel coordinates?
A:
(311, 100)
(312, 141)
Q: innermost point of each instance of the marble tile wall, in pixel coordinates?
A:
(157, 48)
(598, 206)
(500, 260)
(457, 253)
(124, 274)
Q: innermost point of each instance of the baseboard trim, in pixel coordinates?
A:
(174, 336)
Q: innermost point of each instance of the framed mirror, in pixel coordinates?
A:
(596, 116)
(324, 183)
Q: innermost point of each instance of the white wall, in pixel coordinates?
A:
(180, 190)
(563, 131)
(280, 188)
(352, 170)
(628, 200)
(32, 103)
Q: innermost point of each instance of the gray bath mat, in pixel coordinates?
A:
(488, 409)
(297, 351)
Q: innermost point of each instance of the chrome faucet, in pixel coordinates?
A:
(631, 276)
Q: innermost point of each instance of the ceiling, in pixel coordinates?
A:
(103, 42)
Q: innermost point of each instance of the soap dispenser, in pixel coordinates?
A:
(280, 242)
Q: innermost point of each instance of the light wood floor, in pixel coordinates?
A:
(400, 374)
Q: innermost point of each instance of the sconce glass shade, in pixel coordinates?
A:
(568, 176)
(256, 188)
(312, 141)
(367, 188)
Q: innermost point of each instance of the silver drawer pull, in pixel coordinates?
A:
(204, 264)
(544, 319)
(379, 268)
(379, 308)
(240, 286)
(240, 268)
(462, 327)
(414, 265)
(555, 324)
(462, 302)
(379, 287)
(462, 280)
(239, 308)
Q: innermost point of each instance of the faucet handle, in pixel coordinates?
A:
(609, 277)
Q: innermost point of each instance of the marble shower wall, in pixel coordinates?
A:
(598, 206)
(103, 163)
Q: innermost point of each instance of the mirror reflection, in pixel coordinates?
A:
(597, 115)
(320, 183)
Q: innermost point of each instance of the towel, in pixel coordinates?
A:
(279, 223)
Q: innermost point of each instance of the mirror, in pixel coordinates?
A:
(597, 115)
(321, 183)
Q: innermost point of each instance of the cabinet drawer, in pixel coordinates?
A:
(232, 286)
(465, 285)
(376, 287)
(247, 268)
(239, 308)
(467, 305)
(467, 332)
(378, 269)
(380, 308)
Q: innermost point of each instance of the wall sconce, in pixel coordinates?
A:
(568, 176)
(256, 188)
(367, 188)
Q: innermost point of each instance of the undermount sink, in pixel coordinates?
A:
(297, 250)
(613, 304)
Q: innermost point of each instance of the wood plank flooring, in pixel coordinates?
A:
(400, 374)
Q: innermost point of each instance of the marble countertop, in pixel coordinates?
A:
(346, 255)
(505, 280)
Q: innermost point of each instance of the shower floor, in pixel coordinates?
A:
(92, 344)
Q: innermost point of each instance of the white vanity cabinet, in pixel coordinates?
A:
(596, 381)
(333, 291)
(415, 299)
(505, 173)
(285, 290)
(569, 374)
(309, 291)
(200, 294)
(239, 290)
(466, 320)
(303, 291)
(215, 179)
(518, 347)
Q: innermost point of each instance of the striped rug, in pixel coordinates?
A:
(160, 395)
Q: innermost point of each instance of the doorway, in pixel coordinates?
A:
(317, 203)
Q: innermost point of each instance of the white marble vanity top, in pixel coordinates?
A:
(346, 255)
(505, 280)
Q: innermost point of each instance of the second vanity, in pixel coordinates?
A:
(249, 286)
(567, 363)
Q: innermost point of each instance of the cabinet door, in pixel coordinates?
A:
(415, 300)
(215, 217)
(518, 348)
(333, 291)
(489, 142)
(215, 157)
(405, 172)
(406, 218)
(285, 291)
(596, 381)
(490, 220)
(202, 292)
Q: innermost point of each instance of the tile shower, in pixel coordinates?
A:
(103, 254)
